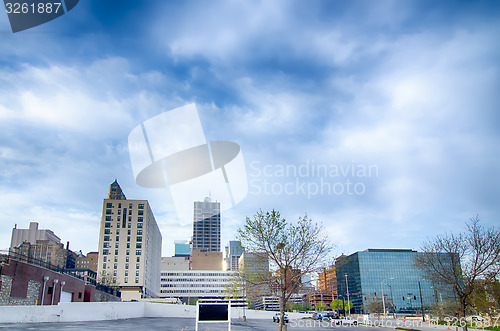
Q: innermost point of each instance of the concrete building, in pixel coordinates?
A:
(206, 260)
(175, 263)
(327, 281)
(206, 226)
(390, 274)
(185, 284)
(31, 235)
(87, 262)
(232, 253)
(129, 246)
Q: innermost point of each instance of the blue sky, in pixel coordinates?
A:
(407, 88)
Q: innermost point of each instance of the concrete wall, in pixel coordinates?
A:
(94, 311)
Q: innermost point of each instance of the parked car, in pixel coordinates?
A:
(276, 318)
(329, 316)
(347, 321)
(320, 315)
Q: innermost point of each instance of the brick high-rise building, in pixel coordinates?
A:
(129, 246)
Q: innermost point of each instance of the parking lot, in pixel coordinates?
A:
(179, 324)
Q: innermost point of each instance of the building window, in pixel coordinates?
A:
(138, 252)
(117, 238)
(137, 266)
(141, 212)
(129, 225)
(114, 280)
(138, 259)
(119, 211)
(104, 265)
(109, 205)
(137, 280)
(105, 252)
(128, 238)
(118, 225)
(139, 238)
(108, 211)
(129, 231)
(137, 272)
(116, 258)
(139, 232)
(116, 245)
(126, 272)
(140, 219)
(119, 205)
(139, 225)
(107, 225)
(138, 245)
(107, 231)
(114, 273)
(141, 206)
(130, 205)
(115, 266)
(106, 238)
(126, 279)
(127, 259)
(130, 211)
(105, 258)
(126, 265)
(106, 245)
(128, 245)
(128, 252)
(108, 218)
(117, 231)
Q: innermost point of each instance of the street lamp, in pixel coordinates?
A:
(62, 285)
(382, 288)
(54, 290)
(347, 288)
(45, 280)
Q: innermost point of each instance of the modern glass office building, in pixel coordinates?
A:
(391, 274)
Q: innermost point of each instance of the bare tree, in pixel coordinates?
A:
(293, 250)
(462, 261)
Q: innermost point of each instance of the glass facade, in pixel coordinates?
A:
(388, 273)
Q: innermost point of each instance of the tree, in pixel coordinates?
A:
(461, 262)
(341, 305)
(293, 250)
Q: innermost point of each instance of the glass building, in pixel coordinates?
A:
(390, 274)
(206, 226)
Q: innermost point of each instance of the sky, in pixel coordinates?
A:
(378, 119)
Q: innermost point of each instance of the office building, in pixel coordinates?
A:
(175, 263)
(129, 246)
(206, 260)
(206, 226)
(47, 251)
(87, 262)
(31, 235)
(368, 276)
(182, 248)
(327, 281)
(232, 253)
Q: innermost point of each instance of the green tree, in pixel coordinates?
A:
(292, 249)
(341, 305)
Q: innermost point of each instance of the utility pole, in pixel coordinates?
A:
(348, 302)
(421, 302)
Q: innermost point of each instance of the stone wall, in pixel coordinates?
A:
(6, 288)
(101, 296)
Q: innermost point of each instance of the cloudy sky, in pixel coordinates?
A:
(398, 100)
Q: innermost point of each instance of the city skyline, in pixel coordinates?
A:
(377, 119)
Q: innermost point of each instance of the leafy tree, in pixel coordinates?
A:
(320, 306)
(341, 305)
(293, 250)
(462, 261)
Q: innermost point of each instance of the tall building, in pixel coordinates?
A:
(31, 235)
(88, 262)
(47, 251)
(182, 248)
(327, 281)
(206, 226)
(391, 274)
(129, 246)
(232, 253)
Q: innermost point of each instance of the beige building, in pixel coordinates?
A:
(48, 251)
(31, 235)
(129, 246)
(206, 260)
(175, 263)
(87, 262)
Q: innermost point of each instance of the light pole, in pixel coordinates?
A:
(54, 290)
(382, 288)
(347, 288)
(62, 285)
(45, 280)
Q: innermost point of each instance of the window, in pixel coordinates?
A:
(107, 225)
(108, 218)
(107, 231)
(119, 205)
(118, 224)
(130, 211)
(141, 212)
(116, 245)
(130, 206)
(140, 219)
(105, 258)
(119, 211)
(141, 206)
(126, 272)
(106, 245)
(109, 205)
(114, 273)
(105, 252)
(137, 280)
(126, 259)
(117, 231)
(117, 238)
(104, 265)
(139, 238)
(139, 232)
(126, 265)
(137, 272)
(128, 238)
(106, 238)
(138, 252)
(128, 252)
(137, 266)
(138, 245)
(128, 245)
(129, 225)
(108, 211)
(116, 258)
(126, 279)
(116, 252)
(114, 280)
(115, 266)
(139, 225)
(128, 232)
